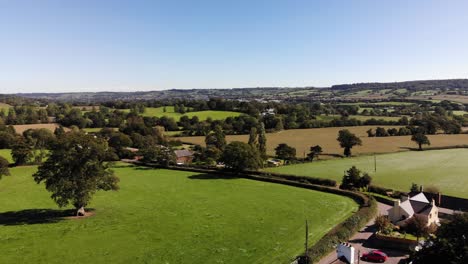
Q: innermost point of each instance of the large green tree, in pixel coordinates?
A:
(76, 169)
(4, 171)
(262, 141)
(241, 156)
(314, 152)
(285, 152)
(22, 152)
(347, 141)
(40, 140)
(354, 178)
(253, 137)
(420, 139)
(449, 245)
(158, 154)
(217, 138)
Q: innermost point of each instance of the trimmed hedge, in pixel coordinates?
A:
(379, 190)
(382, 198)
(210, 169)
(305, 179)
(343, 231)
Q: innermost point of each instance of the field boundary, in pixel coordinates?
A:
(341, 232)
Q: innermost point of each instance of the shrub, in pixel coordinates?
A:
(383, 224)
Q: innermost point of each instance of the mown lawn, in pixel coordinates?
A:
(445, 169)
(163, 216)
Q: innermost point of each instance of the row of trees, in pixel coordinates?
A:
(286, 116)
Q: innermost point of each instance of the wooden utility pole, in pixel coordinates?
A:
(306, 238)
(304, 259)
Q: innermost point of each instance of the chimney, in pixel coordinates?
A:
(396, 203)
(433, 202)
(421, 189)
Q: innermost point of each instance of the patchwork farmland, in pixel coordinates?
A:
(52, 126)
(303, 139)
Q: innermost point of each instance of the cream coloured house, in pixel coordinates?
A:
(411, 206)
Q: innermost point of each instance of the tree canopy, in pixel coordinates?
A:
(353, 179)
(216, 138)
(158, 154)
(21, 152)
(449, 245)
(262, 140)
(76, 169)
(347, 141)
(241, 156)
(286, 152)
(420, 139)
(314, 152)
(4, 171)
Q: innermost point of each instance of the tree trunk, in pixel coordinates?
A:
(81, 211)
(420, 146)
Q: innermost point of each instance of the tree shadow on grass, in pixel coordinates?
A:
(144, 168)
(36, 216)
(212, 176)
(410, 148)
(126, 165)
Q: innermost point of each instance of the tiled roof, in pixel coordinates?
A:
(406, 206)
(417, 204)
(419, 207)
(183, 153)
(420, 197)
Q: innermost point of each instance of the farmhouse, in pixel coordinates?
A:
(411, 206)
(183, 156)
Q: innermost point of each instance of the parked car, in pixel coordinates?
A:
(374, 255)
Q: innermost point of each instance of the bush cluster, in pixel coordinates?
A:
(379, 190)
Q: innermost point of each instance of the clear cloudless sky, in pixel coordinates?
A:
(99, 45)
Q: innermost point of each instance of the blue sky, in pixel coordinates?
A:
(70, 46)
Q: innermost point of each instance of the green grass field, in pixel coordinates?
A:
(445, 169)
(162, 216)
(202, 115)
(6, 153)
(386, 118)
(359, 117)
(97, 129)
